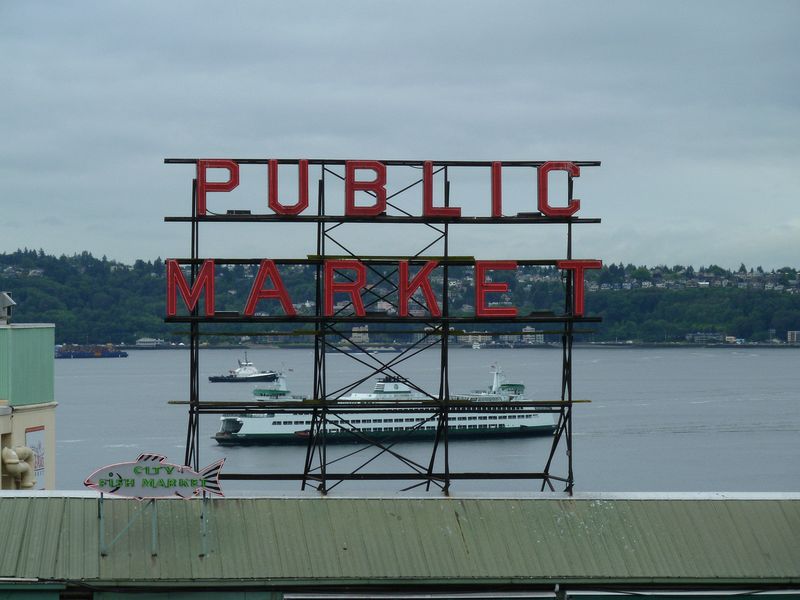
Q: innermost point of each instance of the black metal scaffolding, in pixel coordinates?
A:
(333, 333)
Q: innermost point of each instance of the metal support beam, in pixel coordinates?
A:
(330, 331)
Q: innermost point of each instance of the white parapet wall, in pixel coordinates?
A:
(34, 427)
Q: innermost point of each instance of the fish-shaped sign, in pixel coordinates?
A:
(149, 476)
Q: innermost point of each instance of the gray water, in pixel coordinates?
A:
(660, 419)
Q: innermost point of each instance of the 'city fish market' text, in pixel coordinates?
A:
(144, 482)
(152, 483)
(355, 274)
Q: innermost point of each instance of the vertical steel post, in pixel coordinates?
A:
(318, 417)
(191, 457)
(154, 528)
(204, 526)
(101, 529)
(445, 375)
(443, 410)
(568, 337)
(323, 487)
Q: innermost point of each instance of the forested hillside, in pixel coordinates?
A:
(96, 300)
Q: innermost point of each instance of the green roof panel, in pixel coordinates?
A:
(457, 541)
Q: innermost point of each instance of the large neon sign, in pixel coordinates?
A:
(352, 287)
(375, 187)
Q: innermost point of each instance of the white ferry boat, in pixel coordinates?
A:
(468, 420)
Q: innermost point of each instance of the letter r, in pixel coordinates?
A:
(352, 288)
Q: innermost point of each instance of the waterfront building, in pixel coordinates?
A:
(146, 342)
(531, 335)
(559, 547)
(705, 337)
(360, 334)
(27, 403)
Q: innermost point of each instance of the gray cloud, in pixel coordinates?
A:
(691, 106)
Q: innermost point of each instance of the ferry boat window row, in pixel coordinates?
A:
(433, 428)
(429, 428)
(360, 421)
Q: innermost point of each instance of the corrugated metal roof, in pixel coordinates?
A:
(334, 541)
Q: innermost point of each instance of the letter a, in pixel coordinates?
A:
(268, 270)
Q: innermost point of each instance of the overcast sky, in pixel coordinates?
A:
(692, 107)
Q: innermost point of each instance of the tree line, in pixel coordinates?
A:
(97, 300)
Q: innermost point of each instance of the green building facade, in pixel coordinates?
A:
(27, 405)
(26, 363)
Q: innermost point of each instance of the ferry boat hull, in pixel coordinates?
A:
(265, 376)
(347, 437)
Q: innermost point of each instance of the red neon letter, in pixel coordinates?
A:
(578, 267)
(204, 186)
(204, 281)
(407, 289)
(482, 287)
(302, 189)
(352, 288)
(377, 187)
(268, 270)
(497, 190)
(544, 204)
(428, 209)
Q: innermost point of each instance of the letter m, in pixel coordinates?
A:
(176, 282)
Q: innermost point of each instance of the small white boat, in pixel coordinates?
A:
(469, 420)
(244, 373)
(476, 345)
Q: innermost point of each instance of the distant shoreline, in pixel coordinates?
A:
(400, 347)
